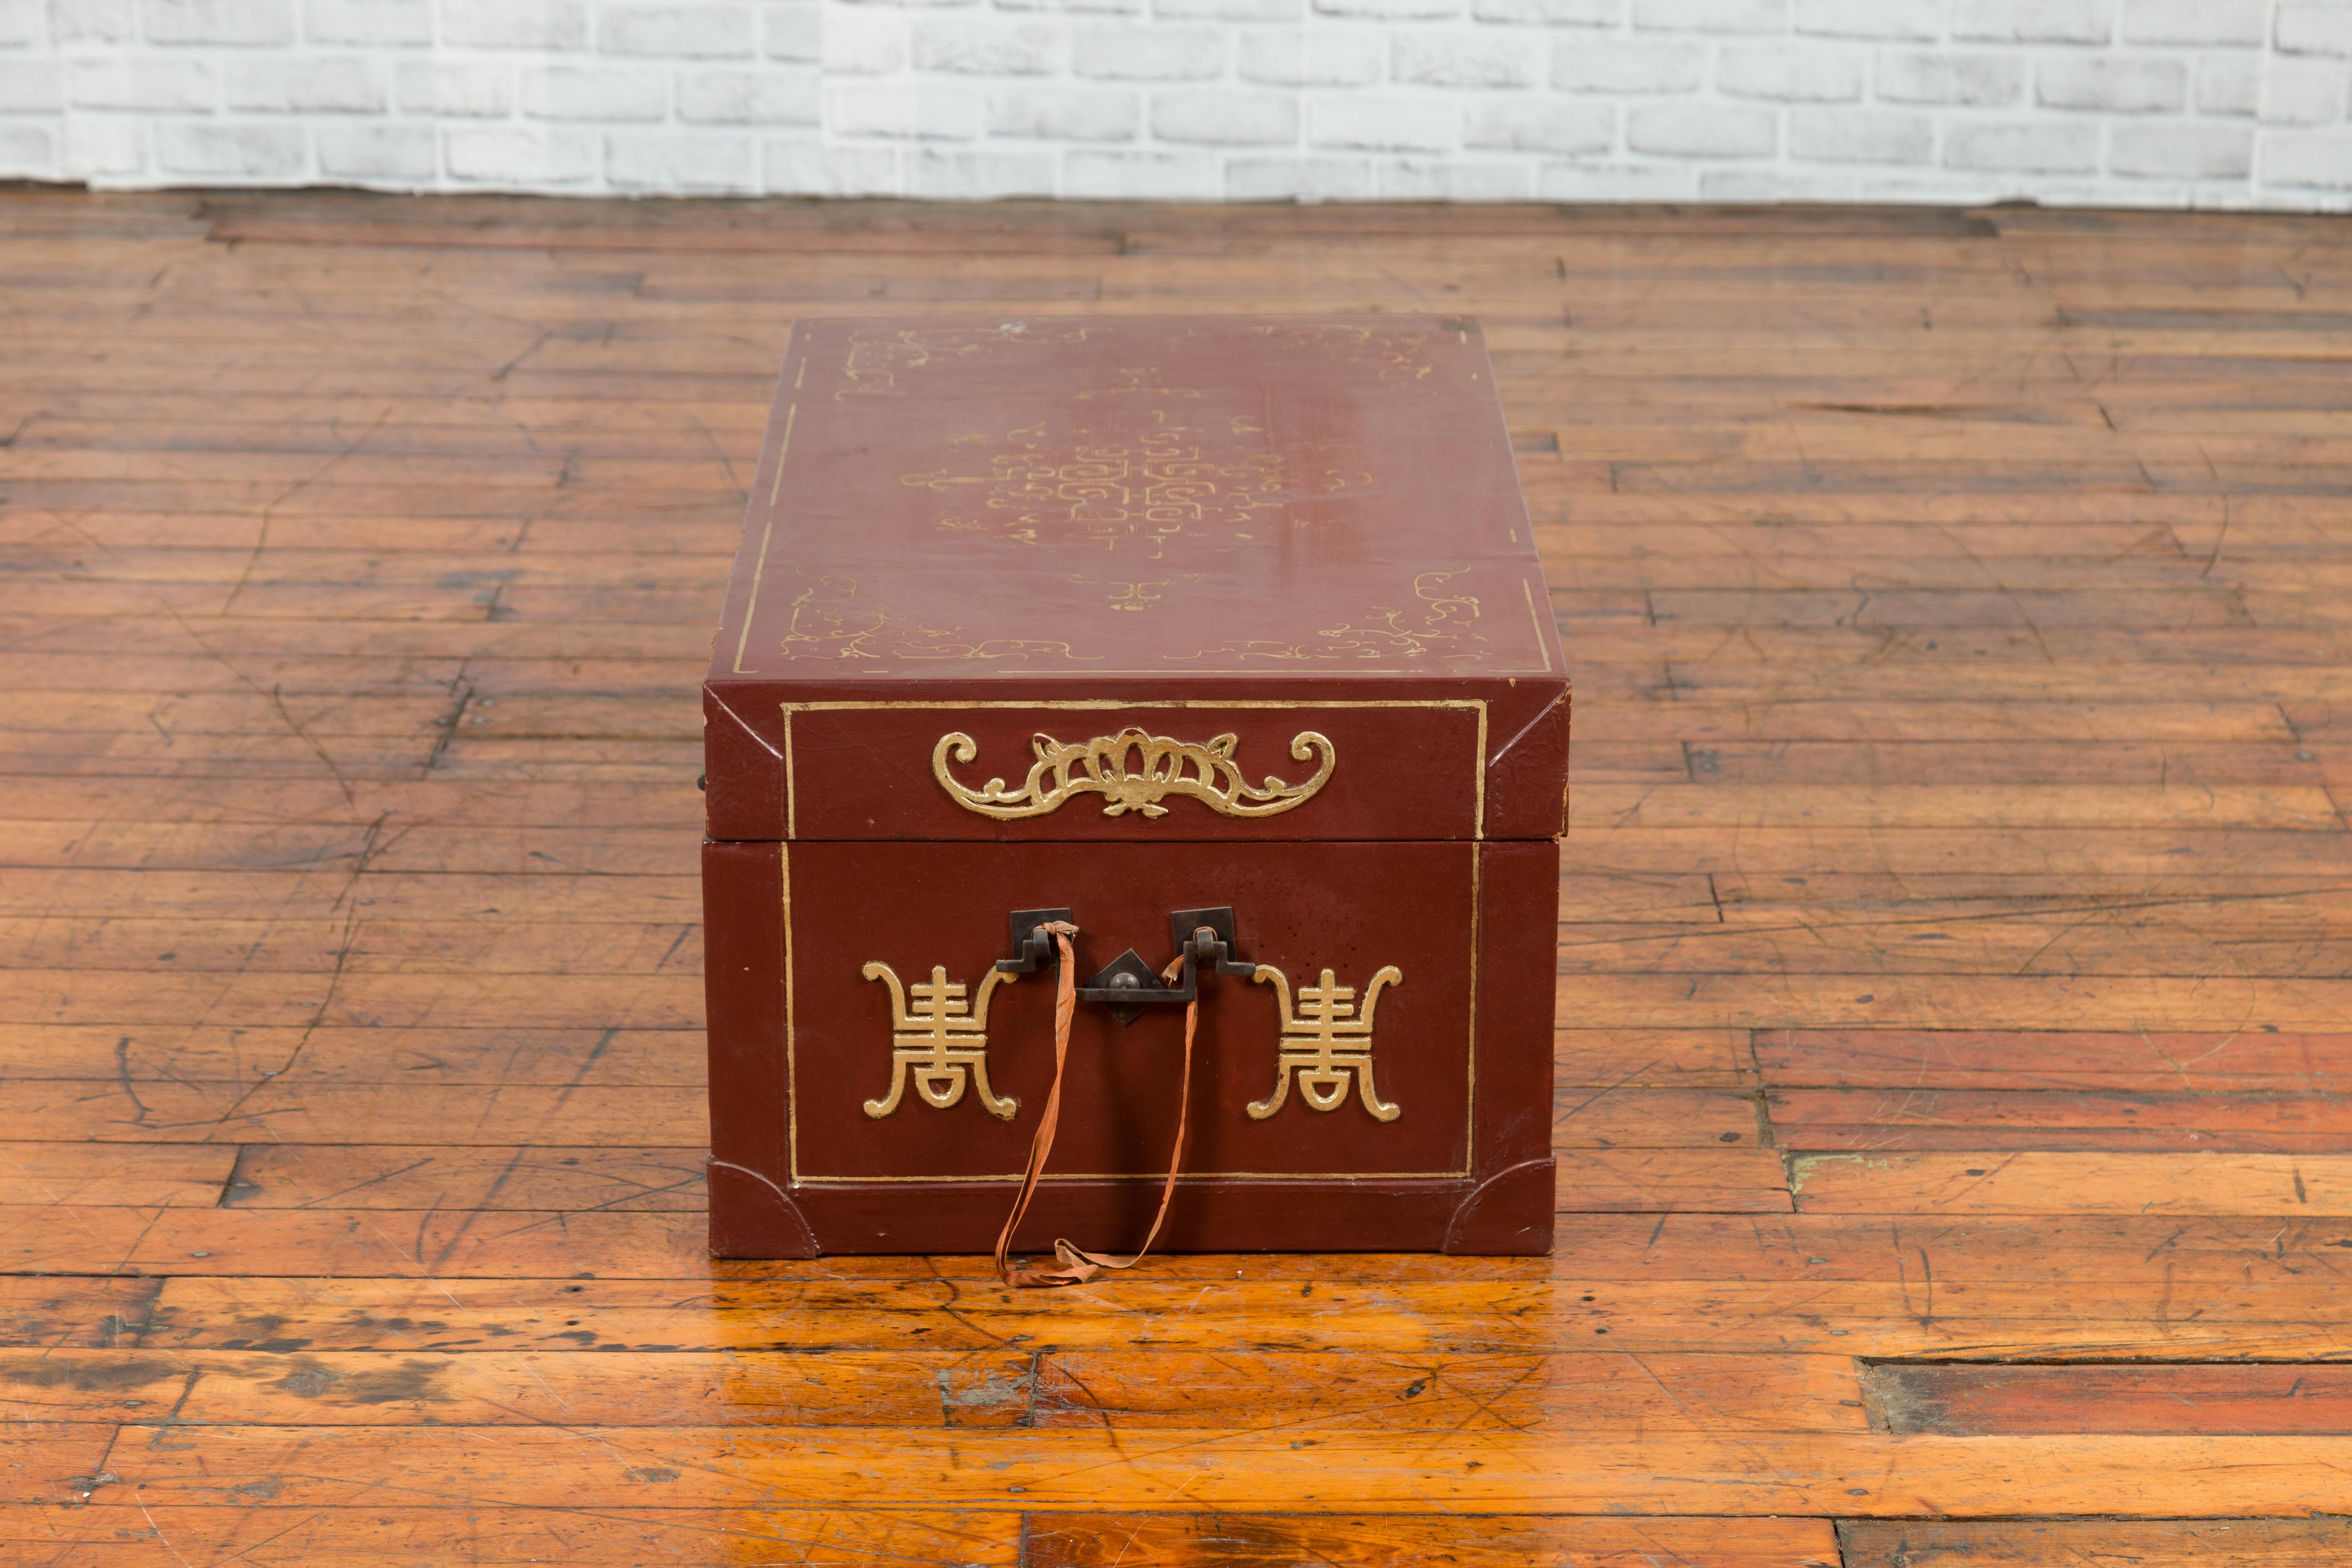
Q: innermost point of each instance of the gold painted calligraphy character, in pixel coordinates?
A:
(938, 1040)
(1326, 1043)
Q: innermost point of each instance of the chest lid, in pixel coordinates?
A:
(996, 573)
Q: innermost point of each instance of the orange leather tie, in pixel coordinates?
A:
(1077, 1265)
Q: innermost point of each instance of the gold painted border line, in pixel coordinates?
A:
(1100, 704)
(1478, 780)
(1477, 906)
(1104, 703)
(792, 1058)
(1183, 1179)
(1543, 643)
(767, 536)
(952, 670)
(791, 794)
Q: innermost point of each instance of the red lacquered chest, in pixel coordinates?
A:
(1170, 623)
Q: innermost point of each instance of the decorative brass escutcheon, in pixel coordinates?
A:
(939, 1041)
(1325, 1043)
(1133, 771)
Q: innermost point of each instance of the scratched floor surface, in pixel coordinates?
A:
(1953, 964)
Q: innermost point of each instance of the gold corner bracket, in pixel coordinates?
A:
(1134, 771)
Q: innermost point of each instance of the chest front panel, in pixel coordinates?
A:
(890, 1011)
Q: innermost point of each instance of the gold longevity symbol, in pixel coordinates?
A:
(1134, 771)
(1325, 1043)
(940, 1040)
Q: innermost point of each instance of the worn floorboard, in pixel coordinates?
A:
(1955, 946)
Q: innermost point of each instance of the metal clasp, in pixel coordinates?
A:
(1032, 945)
(1127, 984)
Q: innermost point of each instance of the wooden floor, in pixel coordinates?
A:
(1956, 956)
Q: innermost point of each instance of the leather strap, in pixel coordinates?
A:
(1077, 1265)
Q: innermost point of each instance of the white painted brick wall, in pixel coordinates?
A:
(2140, 102)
